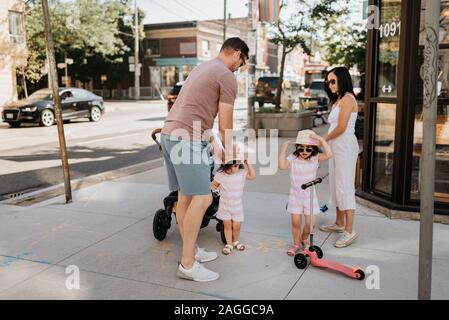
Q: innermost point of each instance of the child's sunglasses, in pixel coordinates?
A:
(301, 149)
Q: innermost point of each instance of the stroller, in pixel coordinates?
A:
(163, 217)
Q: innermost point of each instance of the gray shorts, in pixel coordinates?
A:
(188, 165)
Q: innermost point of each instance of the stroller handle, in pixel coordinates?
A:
(153, 136)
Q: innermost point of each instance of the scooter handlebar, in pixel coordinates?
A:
(312, 183)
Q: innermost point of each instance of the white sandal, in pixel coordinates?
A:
(239, 246)
(227, 249)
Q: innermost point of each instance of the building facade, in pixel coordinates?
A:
(172, 50)
(393, 108)
(13, 52)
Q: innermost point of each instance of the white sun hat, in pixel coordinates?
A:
(304, 138)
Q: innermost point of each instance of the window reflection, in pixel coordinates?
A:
(384, 147)
(389, 39)
(442, 126)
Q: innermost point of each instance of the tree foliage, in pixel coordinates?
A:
(305, 23)
(81, 29)
(345, 45)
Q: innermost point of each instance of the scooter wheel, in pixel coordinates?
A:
(318, 251)
(359, 274)
(300, 261)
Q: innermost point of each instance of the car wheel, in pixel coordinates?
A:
(14, 124)
(47, 118)
(95, 114)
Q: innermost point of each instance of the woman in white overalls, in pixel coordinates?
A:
(345, 148)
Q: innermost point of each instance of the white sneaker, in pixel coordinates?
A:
(204, 256)
(332, 228)
(346, 239)
(198, 272)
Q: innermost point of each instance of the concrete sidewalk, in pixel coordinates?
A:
(107, 233)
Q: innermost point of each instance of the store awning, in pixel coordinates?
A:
(177, 62)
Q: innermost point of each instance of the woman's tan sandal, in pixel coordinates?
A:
(239, 246)
(227, 249)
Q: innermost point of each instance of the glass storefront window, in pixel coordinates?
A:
(384, 147)
(169, 76)
(389, 39)
(442, 126)
(444, 22)
(186, 69)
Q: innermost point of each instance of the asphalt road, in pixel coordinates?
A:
(30, 158)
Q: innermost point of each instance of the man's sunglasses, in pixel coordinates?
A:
(332, 82)
(309, 150)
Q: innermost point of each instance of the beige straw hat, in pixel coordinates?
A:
(303, 138)
(236, 155)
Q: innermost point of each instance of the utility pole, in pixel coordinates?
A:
(427, 172)
(224, 21)
(252, 42)
(56, 100)
(136, 53)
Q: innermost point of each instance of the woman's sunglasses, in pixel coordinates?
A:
(305, 149)
(332, 82)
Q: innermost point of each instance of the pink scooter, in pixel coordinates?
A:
(315, 254)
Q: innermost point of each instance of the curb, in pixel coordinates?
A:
(55, 191)
(397, 214)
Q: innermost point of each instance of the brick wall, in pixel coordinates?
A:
(170, 48)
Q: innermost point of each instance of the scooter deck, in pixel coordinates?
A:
(350, 271)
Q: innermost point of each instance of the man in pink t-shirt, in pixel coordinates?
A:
(210, 90)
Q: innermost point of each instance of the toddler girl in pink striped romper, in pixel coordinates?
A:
(303, 165)
(230, 181)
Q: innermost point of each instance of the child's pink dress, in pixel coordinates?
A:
(231, 193)
(302, 171)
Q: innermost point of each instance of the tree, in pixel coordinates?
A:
(81, 29)
(346, 46)
(299, 27)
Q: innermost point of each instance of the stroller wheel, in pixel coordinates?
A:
(300, 261)
(159, 228)
(223, 237)
(318, 251)
(220, 228)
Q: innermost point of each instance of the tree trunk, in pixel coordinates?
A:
(281, 79)
(24, 84)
